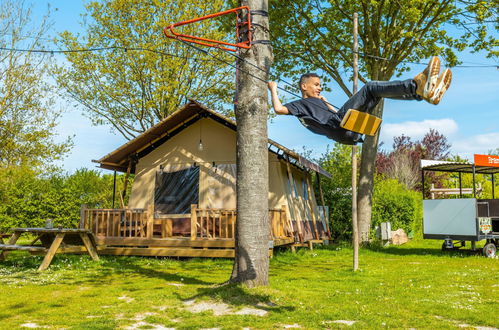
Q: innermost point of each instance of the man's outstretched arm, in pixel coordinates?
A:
(276, 103)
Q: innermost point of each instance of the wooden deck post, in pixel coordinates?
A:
(82, 224)
(150, 220)
(194, 221)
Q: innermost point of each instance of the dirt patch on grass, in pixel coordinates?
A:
(251, 311)
(126, 299)
(176, 284)
(32, 325)
(345, 322)
(220, 308)
(142, 325)
(142, 316)
(464, 325)
(217, 308)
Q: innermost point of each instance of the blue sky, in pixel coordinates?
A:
(468, 114)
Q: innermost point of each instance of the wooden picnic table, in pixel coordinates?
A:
(53, 240)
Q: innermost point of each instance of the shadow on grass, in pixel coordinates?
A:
(20, 266)
(237, 295)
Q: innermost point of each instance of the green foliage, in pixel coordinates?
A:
(28, 199)
(494, 152)
(394, 203)
(27, 113)
(311, 35)
(149, 76)
(337, 191)
(481, 180)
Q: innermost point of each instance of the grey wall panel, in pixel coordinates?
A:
(449, 216)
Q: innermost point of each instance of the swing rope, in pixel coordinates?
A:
(189, 40)
(236, 67)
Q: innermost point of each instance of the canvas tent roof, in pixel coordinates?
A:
(170, 126)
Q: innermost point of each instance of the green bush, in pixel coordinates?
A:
(27, 198)
(394, 203)
(337, 190)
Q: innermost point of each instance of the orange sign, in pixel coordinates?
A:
(487, 160)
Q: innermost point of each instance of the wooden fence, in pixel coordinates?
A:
(124, 223)
(221, 223)
(205, 224)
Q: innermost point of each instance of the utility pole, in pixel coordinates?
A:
(355, 227)
(251, 263)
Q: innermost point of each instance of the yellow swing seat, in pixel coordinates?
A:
(360, 122)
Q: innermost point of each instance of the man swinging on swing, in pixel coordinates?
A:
(322, 118)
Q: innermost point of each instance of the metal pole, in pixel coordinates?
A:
(422, 182)
(114, 188)
(474, 189)
(493, 193)
(355, 225)
(460, 186)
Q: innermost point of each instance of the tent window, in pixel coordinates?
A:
(176, 191)
(305, 190)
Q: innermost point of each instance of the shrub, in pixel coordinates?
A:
(394, 203)
(338, 190)
(27, 199)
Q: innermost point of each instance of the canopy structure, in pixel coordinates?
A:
(443, 166)
(484, 164)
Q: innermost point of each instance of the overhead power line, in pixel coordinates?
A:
(97, 49)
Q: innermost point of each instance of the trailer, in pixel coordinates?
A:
(462, 219)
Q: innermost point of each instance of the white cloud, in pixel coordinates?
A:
(477, 144)
(417, 129)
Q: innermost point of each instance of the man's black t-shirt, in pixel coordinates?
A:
(315, 115)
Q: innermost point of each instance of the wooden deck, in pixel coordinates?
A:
(201, 233)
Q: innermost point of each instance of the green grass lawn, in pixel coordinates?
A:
(411, 286)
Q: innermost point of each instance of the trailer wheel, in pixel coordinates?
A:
(489, 250)
(448, 245)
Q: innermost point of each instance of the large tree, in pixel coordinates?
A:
(251, 265)
(144, 77)
(314, 35)
(27, 109)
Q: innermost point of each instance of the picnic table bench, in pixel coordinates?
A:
(53, 240)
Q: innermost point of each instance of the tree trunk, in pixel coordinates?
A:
(251, 264)
(366, 180)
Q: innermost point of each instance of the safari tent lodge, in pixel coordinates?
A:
(183, 197)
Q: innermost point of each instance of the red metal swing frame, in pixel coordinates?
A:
(171, 33)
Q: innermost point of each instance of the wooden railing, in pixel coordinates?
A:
(437, 192)
(205, 224)
(116, 222)
(221, 223)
